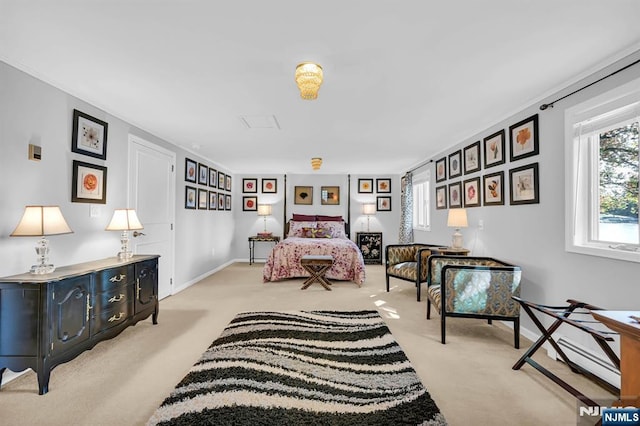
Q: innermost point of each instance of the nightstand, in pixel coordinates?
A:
(451, 250)
(260, 239)
(370, 244)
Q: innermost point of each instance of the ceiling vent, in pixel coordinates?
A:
(260, 121)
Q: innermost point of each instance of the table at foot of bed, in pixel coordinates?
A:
(317, 266)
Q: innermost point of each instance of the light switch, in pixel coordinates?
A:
(35, 152)
(480, 224)
(95, 211)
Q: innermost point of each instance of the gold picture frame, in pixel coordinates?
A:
(303, 195)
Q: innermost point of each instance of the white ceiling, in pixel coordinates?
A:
(404, 80)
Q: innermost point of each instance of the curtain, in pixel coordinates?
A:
(406, 209)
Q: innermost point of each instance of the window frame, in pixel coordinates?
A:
(422, 178)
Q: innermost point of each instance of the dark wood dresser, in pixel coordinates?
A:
(47, 320)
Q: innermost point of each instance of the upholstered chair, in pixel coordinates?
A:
(401, 261)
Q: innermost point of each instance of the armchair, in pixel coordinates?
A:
(474, 287)
(401, 261)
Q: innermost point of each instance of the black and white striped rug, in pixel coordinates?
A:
(301, 368)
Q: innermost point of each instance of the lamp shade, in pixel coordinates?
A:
(38, 221)
(369, 209)
(457, 218)
(264, 209)
(124, 220)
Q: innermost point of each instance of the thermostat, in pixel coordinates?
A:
(35, 152)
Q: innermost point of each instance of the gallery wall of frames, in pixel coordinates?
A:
(469, 177)
(206, 188)
(250, 186)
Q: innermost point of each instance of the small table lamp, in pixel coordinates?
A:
(368, 209)
(264, 210)
(40, 221)
(457, 219)
(124, 220)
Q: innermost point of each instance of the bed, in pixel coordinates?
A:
(317, 237)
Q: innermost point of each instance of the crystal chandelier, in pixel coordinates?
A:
(308, 79)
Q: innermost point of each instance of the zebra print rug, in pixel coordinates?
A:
(301, 368)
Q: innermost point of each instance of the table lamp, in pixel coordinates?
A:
(124, 220)
(368, 209)
(457, 219)
(40, 221)
(264, 210)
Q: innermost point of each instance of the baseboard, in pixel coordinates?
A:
(189, 283)
(11, 375)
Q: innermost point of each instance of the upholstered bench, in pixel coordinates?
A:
(317, 266)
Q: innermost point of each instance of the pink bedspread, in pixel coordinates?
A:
(284, 260)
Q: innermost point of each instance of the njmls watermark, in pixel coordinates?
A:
(607, 414)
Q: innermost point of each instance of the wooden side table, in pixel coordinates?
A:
(317, 266)
(370, 244)
(257, 238)
(451, 250)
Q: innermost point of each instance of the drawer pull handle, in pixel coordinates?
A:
(116, 298)
(117, 318)
(89, 307)
(117, 278)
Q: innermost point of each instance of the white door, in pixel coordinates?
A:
(152, 194)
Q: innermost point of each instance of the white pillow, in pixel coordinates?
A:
(296, 229)
(336, 228)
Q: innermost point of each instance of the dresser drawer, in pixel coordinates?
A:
(116, 314)
(108, 299)
(114, 278)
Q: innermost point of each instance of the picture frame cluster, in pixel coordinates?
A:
(489, 189)
(88, 138)
(382, 186)
(202, 197)
(250, 186)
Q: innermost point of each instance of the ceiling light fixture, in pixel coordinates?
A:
(316, 162)
(308, 78)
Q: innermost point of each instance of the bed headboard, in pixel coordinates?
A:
(288, 224)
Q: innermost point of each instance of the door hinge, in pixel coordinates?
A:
(52, 346)
(172, 168)
(172, 226)
(170, 281)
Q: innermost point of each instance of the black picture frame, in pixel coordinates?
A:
(383, 203)
(221, 181)
(441, 197)
(213, 200)
(471, 192)
(455, 195)
(203, 199)
(213, 178)
(524, 185)
(88, 183)
(370, 244)
(471, 156)
(383, 186)
(190, 197)
(455, 164)
(249, 185)
(493, 189)
(365, 186)
(250, 204)
(493, 149)
(441, 169)
(227, 183)
(523, 139)
(203, 174)
(269, 186)
(227, 202)
(89, 135)
(190, 170)
(220, 201)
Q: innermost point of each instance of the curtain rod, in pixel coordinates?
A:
(424, 163)
(550, 104)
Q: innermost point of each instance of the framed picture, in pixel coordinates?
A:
(227, 202)
(203, 199)
(221, 180)
(220, 201)
(213, 200)
(330, 195)
(203, 174)
(455, 164)
(383, 185)
(249, 204)
(190, 197)
(441, 169)
(249, 185)
(494, 149)
(471, 192)
(213, 178)
(455, 199)
(523, 185)
(89, 183)
(365, 186)
(303, 195)
(370, 244)
(523, 138)
(493, 189)
(227, 183)
(269, 186)
(89, 135)
(383, 203)
(471, 155)
(441, 197)
(190, 170)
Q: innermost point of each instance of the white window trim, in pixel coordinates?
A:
(577, 199)
(420, 178)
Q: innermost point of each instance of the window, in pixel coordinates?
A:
(421, 201)
(602, 172)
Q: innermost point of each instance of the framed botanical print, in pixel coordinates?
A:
(250, 204)
(203, 174)
(455, 199)
(89, 183)
(441, 169)
(471, 191)
(303, 195)
(227, 183)
(441, 197)
(383, 185)
(365, 186)
(471, 156)
(455, 164)
(269, 186)
(203, 199)
(213, 200)
(383, 203)
(190, 170)
(523, 185)
(221, 181)
(220, 201)
(190, 195)
(249, 185)
(330, 195)
(227, 202)
(493, 147)
(213, 178)
(89, 135)
(493, 189)
(523, 138)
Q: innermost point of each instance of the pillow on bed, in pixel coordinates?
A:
(296, 229)
(304, 217)
(316, 233)
(321, 218)
(335, 228)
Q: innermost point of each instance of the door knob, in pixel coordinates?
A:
(136, 233)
